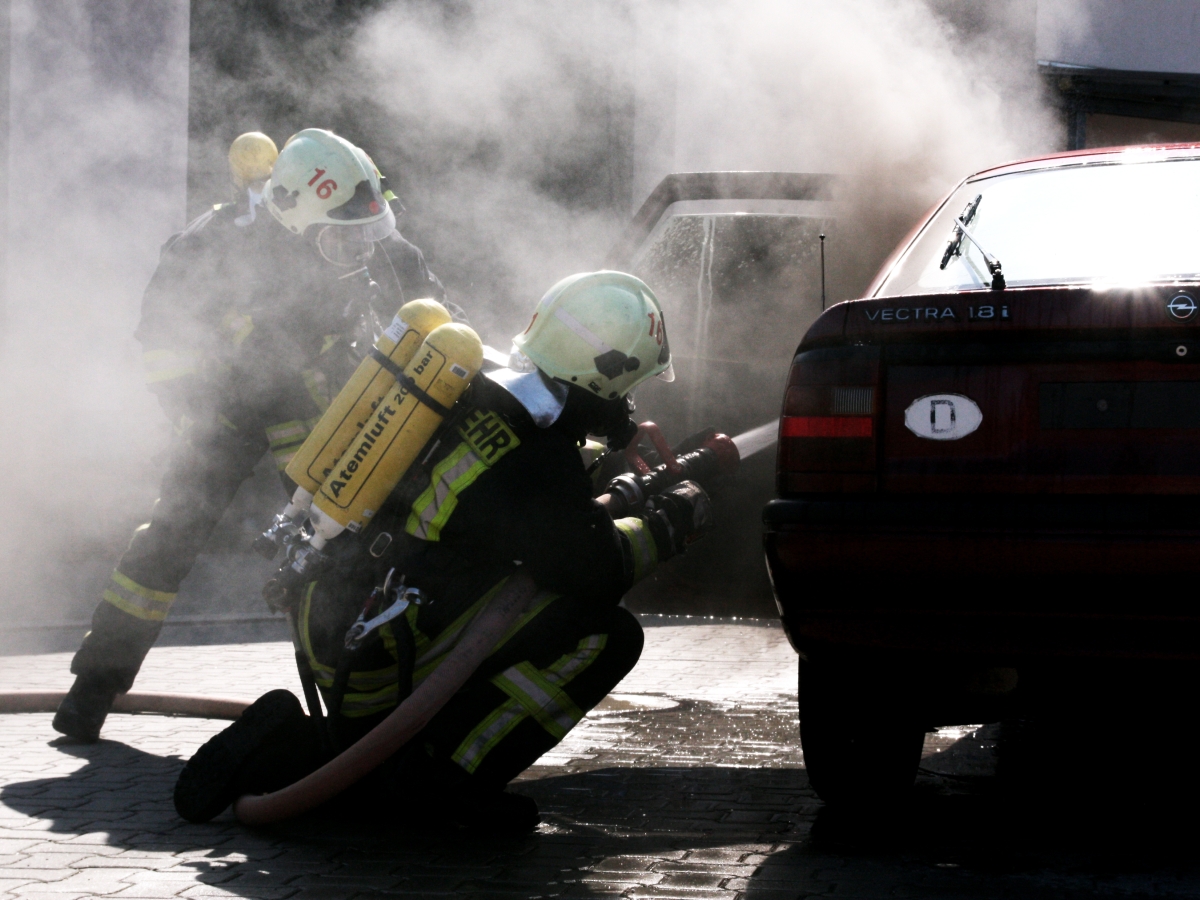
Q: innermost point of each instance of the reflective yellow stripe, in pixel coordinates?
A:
(542, 699)
(488, 733)
(485, 440)
(357, 705)
(239, 326)
(429, 654)
(318, 388)
(138, 601)
(641, 545)
(531, 693)
(165, 365)
(437, 503)
(330, 340)
(367, 693)
(286, 439)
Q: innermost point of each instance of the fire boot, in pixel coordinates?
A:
(81, 714)
(491, 812)
(448, 796)
(272, 745)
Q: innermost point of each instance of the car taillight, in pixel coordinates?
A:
(827, 435)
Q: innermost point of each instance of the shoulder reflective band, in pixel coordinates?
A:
(407, 383)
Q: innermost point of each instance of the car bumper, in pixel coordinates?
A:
(1008, 579)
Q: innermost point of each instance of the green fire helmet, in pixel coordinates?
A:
(322, 179)
(602, 331)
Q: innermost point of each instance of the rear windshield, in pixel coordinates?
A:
(1122, 222)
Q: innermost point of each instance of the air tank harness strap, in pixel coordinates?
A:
(407, 383)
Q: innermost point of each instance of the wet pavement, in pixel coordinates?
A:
(686, 783)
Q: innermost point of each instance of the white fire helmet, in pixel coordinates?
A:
(602, 331)
(323, 179)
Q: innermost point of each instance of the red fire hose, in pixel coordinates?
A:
(140, 702)
(485, 631)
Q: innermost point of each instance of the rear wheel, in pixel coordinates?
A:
(859, 747)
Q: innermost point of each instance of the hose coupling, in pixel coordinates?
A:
(628, 488)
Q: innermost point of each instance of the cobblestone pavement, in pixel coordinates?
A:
(688, 783)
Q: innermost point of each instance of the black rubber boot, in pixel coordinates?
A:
(273, 744)
(82, 712)
(492, 813)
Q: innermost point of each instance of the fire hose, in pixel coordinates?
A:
(712, 458)
(476, 644)
(715, 456)
(137, 702)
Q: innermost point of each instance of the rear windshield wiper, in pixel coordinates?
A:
(954, 245)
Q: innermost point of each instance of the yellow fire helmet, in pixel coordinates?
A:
(602, 331)
(251, 157)
(323, 179)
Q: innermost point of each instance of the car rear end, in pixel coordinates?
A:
(981, 488)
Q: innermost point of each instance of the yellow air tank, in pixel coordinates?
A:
(355, 402)
(395, 434)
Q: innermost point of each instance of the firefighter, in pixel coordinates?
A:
(251, 157)
(248, 325)
(503, 489)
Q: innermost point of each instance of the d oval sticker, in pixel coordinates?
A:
(942, 417)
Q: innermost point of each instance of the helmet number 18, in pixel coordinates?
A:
(656, 328)
(326, 188)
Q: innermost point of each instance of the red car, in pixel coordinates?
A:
(988, 467)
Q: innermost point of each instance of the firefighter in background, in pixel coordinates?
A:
(249, 325)
(504, 488)
(251, 157)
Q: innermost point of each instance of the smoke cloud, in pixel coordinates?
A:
(521, 135)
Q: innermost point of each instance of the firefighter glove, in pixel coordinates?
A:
(677, 517)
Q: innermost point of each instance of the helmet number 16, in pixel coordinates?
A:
(326, 188)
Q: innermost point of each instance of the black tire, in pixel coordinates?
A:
(859, 748)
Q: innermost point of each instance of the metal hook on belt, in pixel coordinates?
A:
(405, 596)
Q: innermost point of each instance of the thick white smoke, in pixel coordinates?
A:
(508, 105)
(97, 181)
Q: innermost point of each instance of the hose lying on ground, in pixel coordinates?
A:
(139, 702)
(477, 642)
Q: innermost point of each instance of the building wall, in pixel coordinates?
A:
(1141, 36)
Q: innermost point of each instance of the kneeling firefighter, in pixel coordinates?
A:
(256, 314)
(499, 495)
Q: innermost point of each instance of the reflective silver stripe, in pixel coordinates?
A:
(426, 523)
(553, 710)
(488, 733)
(531, 693)
(566, 668)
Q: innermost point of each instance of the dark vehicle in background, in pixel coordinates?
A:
(731, 255)
(988, 468)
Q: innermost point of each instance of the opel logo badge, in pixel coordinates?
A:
(1182, 307)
